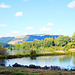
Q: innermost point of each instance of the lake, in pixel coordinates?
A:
(63, 61)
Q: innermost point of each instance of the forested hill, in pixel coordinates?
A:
(5, 45)
(6, 39)
(20, 39)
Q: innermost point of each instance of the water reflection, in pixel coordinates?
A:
(33, 57)
(61, 61)
(15, 52)
(65, 59)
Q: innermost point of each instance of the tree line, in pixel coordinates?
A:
(62, 42)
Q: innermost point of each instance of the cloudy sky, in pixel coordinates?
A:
(22, 17)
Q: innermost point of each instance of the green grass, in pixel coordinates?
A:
(12, 73)
(7, 72)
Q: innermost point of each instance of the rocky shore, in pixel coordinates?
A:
(39, 67)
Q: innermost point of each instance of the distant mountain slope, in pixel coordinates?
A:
(5, 45)
(6, 39)
(42, 37)
(20, 39)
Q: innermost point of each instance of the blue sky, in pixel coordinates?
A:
(22, 17)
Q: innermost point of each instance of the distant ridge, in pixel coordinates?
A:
(20, 39)
(6, 39)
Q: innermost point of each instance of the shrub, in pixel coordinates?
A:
(2, 51)
(32, 52)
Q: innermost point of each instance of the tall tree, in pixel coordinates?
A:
(62, 40)
(73, 38)
(48, 42)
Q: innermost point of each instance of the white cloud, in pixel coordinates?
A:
(4, 6)
(33, 33)
(3, 25)
(29, 33)
(59, 30)
(2, 36)
(45, 29)
(8, 34)
(71, 4)
(15, 32)
(19, 14)
(29, 28)
(50, 24)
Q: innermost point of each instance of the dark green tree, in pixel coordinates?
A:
(62, 40)
(73, 38)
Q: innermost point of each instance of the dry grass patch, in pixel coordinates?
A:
(29, 71)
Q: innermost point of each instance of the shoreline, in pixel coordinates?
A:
(28, 55)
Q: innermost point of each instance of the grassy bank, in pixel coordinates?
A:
(28, 55)
(28, 71)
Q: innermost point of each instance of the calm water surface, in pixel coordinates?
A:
(61, 61)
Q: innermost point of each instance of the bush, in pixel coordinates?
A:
(2, 51)
(32, 52)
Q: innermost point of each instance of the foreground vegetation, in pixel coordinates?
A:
(28, 71)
